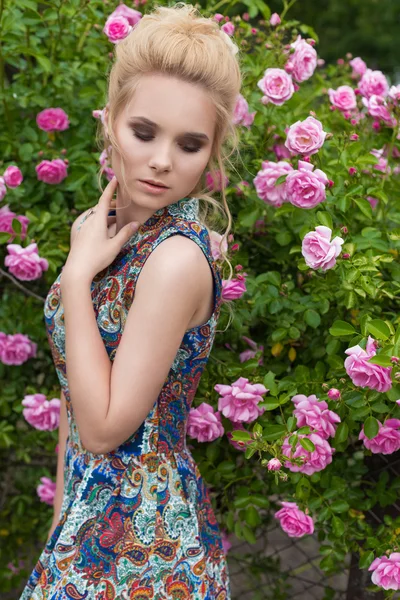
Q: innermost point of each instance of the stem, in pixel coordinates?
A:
(19, 285)
(286, 6)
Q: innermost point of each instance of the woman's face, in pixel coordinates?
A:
(166, 133)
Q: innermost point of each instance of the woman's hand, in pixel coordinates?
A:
(93, 250)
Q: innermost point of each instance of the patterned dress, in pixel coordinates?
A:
(136, 523)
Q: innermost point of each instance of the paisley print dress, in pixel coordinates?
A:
(136, 523)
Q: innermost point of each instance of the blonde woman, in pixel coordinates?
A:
(131, 321)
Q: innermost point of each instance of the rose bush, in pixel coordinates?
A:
(315, 202)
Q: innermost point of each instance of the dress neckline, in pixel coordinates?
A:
(185, 208)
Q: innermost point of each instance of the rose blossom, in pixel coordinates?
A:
(16, 349)
(294, 521)
(314, 413)
(226, 544)
(373, 201)
(233, 289)
(217, 244)
(281, 151)
(130, 14)
(343, 98)
(42, 413)
(358, 65)
(305, 137)
(247, 354)
(303, 62)
(315, 461)
(386, 571)
(373, 83)
(274, 464)
(12, 176)
(275, 19)
(117, 28)
(365, 374)
(241, 115)
(305, 188)
(25, 263)
(319, 251)
(51, 171)
(377, 107)
(240, 400)
(46, 490)
(3, 188)
(215, 183)
(204, 424)
(265, 182)
(387, 439)
(52, 119)
(6, 218)
(334, 394)
(228, 28)
(277, 86)
(394, 93)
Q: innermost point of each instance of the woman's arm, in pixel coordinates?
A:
(62, 440)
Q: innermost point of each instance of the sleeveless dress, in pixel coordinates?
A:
(136, 523)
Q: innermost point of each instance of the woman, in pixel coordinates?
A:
(133, 516)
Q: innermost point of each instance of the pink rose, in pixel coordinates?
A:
(314, 413)
(247, 354)
(226, 544)
(275, 19)
(228, 28)
(334, 394)
(281, 151)
(204, 424)
(240, 400)
(52, 119)
(373, 83)
(314, 461)
(305, 137)
(265, 182)
(305, 188)
(233, 289)
(46, 490)
(238, 445)
(12, 176)
(303, 62)
(218, 17)
(51, 171)
(130, 14)
(365, 374)
(274, 464)
(16, 349)
(373, 201)
(377, 107)
(387, 439)
(6, 218)
(3, 188)
(386, 571)
(277, 86)
(394, 93)
(294, 521)
(42, 413)
(117, 28)
(358, 65)
(241, 115)
(343, 98)
(25, 263)
(319, 251)
(215, 183)
(217, 244)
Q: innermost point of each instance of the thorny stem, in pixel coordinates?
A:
(23, 288)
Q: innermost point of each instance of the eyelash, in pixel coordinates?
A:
(147, 139)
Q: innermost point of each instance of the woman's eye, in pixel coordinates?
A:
(147, 138)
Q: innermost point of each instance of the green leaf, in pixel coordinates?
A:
(252, 516)
(312, 318)
(307, 444)
(342, 433)
(291, 423)
(338, 526)
(381, 360)
(366, 559)
(269, 404)
(378, 329)
(364, 206)
(273, 432)
(280, 180)
(303, 488)
(325, 218)
(241, 436)
(340, 506)
(371, 427)
(340, 328)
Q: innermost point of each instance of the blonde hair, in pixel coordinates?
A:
(180, 42)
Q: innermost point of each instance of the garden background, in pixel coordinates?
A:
(299, 302)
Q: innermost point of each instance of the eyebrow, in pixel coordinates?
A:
(194, 134)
